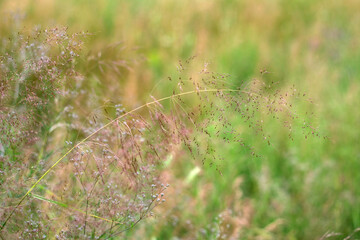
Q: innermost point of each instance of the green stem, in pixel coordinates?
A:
(98, 130)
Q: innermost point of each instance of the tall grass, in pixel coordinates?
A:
(297, 189)
(109, 181)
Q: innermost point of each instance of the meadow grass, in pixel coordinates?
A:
(299, 189)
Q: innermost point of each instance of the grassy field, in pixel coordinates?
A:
(299, 188)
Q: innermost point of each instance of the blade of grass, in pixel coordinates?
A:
(68, 207)
(103, 127)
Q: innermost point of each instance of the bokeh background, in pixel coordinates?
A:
(300, 189)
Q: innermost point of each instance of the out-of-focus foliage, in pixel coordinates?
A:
(297, 189)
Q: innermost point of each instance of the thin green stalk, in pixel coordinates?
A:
(98, 130)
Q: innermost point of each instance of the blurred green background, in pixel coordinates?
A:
(300, 189)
